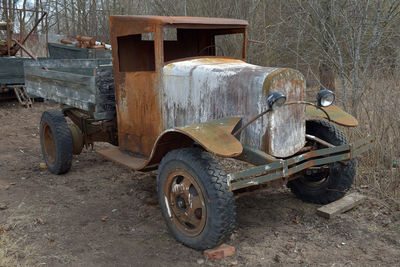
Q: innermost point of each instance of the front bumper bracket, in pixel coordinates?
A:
(285, 168)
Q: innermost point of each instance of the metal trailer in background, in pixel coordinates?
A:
(62, 51)
(11, 72)
(12, 79)
(11, 66)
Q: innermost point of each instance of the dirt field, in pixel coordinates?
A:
(54, 220)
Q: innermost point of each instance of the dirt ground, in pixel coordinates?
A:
(49, 220)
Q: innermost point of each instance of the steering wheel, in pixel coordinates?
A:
(210, 46)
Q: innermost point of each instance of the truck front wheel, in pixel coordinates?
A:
(194, 198)
(56, 141)
(332, 181)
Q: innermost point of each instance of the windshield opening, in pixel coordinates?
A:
(182, 43)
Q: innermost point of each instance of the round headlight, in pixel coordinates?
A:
(325, 98)
(276, 100)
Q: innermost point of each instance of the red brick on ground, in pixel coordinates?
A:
(219, 252)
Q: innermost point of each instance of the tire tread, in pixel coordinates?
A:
(343, 176)
(64, 146)
(214, 180)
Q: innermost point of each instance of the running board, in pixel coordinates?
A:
(125, 159)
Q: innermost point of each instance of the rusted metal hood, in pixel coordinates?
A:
(203, 89)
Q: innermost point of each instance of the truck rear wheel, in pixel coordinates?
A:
(330, 183)
(56, 141)
(194, 198)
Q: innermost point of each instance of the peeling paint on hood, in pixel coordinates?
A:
(203, 89)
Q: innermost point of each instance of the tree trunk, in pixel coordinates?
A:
(36, 13)
(326, 73)
(326, 76)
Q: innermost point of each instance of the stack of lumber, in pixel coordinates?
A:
(87, 42)
(3, 47)
(3, 26)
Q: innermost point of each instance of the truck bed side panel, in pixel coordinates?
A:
(67, 88)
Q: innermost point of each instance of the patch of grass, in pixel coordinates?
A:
(14, 252)
(383, 183)
(7, 258)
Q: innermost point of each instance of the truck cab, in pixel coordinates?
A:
(170, 72)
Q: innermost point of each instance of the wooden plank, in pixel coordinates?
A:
(12, 70)
(67, 78)
(340, 206)
(67, 63)
(94, 53)
(72, 89)
(80, 71)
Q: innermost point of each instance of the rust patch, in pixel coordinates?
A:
(216, 136)
(286, 133)
(279, 74)
(139, 114)
(191, 22)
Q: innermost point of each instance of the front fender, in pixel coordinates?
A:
(336, 115)
(215, 136)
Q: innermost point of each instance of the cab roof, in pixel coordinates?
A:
(183, 22)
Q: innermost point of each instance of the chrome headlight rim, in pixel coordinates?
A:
(325, 98)
(275, 100)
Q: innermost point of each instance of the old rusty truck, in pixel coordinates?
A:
(171, 100)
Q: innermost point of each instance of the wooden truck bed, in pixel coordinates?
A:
(86, 84)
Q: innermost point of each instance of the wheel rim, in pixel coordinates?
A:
(185, 203)
(49, 144)
(316, 179)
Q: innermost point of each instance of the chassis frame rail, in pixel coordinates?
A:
(284, 168)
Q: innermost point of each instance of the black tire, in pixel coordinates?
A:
(56, 141)
(325, 187)
(219, 203)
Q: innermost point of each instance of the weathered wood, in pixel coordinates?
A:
(68, 63)
(78, 66)
(12, 70)
(72, 89)
(83, 84)
(340, 206)
(99, 54)
(105, 96)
